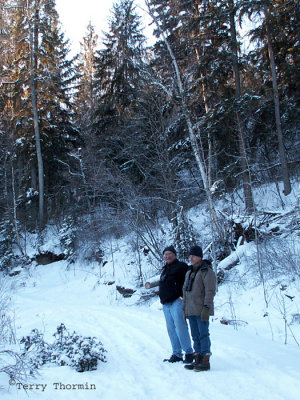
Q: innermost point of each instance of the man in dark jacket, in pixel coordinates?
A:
(199, 290)
(170, 293)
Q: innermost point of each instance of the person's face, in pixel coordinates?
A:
(195, 260)
(169, 257)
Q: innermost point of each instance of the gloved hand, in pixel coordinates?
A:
(205, 313)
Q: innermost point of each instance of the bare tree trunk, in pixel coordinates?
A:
(209, 138)
(34, 29)
(192, 136)
(249, 203)
(282, 153)
(33, 176)
(210, 151)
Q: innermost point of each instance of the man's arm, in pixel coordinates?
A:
(210, 288)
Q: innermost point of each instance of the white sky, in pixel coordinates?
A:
(75, 16)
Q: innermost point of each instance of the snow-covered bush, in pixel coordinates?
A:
(183, 235)
(72, 349)
(11, 362)
(36, 349)
(6, 244)
(7, 330)
(67, 233)
(11, 251)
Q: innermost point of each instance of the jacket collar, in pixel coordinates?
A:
(205, 264)
(170, 265)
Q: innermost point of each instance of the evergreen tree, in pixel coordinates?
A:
(56, 74)
(119, 77)
(183, 85)
(17, 110)
(106, 104)
(85, 96)
(266, 34)
(119, 65)
(45, 70)
(202, 35)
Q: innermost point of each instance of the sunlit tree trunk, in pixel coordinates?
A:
(34, 30)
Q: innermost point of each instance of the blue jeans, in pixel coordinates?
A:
(177, 328)
(200, 335)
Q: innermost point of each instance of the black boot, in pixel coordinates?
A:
(197, 361)
(173, 359)
(204, 365)
(189, 358)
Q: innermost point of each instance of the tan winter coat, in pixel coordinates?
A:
(203, 290)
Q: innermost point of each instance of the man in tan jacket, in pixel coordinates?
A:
(199, 290)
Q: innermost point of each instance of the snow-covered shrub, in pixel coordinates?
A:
(11, 253)
(11, 362)
(36, 349)
(72, 349)
(67, 235)
(7, 331)
(6, 244)
(80, 352)
(183, 235)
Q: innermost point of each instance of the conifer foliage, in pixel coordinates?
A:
(36, 63)
(111, 133)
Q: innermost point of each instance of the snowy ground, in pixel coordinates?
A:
(249, 362)
(245, 365)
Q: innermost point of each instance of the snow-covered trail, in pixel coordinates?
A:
(244, 366)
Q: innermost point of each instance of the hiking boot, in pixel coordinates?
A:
(189, 358)
(197, 361)
(173, 359)
(204, 365)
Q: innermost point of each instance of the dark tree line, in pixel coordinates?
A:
(125, 133)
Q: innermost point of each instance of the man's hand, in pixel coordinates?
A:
(205, 314)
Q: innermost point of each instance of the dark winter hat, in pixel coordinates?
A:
(196, 251)
(170, 248)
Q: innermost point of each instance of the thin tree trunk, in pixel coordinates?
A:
(209, 138)
(15, 221)
(33, 66)
(210, 150)
(249, 203)
(282, 153)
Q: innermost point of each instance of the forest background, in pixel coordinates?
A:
(121, 135)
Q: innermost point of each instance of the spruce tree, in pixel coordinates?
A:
(119, 77)
(85, 95)
(120, 62)
(56, 72)
(265, 34)
(202, 41)
(37, 62)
